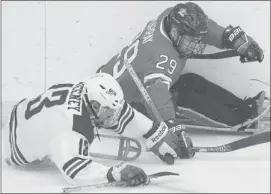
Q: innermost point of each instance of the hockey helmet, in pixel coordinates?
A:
(187, 26)
(104, 99)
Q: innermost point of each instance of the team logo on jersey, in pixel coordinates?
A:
(75, 98)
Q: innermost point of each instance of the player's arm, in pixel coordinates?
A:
(158, 138)
(157, 86)
(214, 37)
(69, 151)
(158, 78)
(233, 38)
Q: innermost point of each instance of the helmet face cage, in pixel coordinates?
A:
(107, 115)
(104, 100)
(188, 45)
(101, 116)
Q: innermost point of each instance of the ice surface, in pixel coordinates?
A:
(46, 42)
(245, 171)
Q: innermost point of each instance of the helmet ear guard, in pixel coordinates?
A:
(125, 149)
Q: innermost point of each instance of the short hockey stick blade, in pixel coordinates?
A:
(160, 174)
(108, 184)
(259, 138)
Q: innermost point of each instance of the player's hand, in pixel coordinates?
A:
(132, 175)
(235, 38)
(185, 142)
(163, 143)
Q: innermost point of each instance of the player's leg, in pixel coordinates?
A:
(224, 96)
(192, 84)
(11, 151)
(193, 92)
(6, 148)
(200, 85)
(214, 112)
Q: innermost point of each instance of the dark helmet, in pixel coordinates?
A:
(187, 26)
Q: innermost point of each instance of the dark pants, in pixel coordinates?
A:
(211, 100)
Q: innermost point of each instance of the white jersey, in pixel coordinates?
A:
(57, 124)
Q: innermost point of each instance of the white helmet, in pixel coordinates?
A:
(104, 99)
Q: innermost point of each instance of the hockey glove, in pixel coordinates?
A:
(132, 175)
(162, 142)
(185, 142)
(235, 38)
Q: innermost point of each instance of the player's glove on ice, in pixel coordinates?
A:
(235, 38)
(161, 141)
(132, 175)
(185, 142)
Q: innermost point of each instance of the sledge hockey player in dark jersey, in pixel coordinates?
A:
(159, 54)
(63, 122)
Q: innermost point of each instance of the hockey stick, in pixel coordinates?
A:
(218, 55)
(143, 91)
(239, 144)
(168, 158)
(109, 184)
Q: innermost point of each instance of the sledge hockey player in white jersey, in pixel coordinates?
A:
(61, 123)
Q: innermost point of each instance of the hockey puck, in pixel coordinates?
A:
(169, 159)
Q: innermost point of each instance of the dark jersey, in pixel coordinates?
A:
(156, 62)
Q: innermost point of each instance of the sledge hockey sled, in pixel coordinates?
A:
(129, 149)
(192, 120)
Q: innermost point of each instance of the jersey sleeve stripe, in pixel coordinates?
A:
(17, 157)
(80, 168)
(14, 158)
(126, 122)
(157, 77)
(124, 118)
(123, 112)
(71, 162)
(70, 170)
(115, 127)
